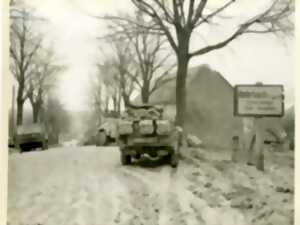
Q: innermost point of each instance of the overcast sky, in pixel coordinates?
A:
(73, 32)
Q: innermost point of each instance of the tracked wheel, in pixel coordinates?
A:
(45, 145)
(101, 138)
(125, 159)
(173, 159)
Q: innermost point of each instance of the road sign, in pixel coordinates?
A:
(259, 100)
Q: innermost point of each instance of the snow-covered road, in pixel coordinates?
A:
(88, 186)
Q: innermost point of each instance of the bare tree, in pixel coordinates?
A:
(177, 20)
(104, 88)
(24, 45)
(148, 54)
(41, 81)
(118, 73)
(123, 75)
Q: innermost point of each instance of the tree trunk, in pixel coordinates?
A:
(106, 104)
(126, 100)
(181, 75)
(182, 70)
(145, 92)
(20, 103)
(119, 101)
(19, 112)
(36, 106)
(115, 102)
(35, 113)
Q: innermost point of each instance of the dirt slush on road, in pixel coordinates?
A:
(88, 185)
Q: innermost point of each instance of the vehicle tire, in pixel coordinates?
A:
(22, 149)
(153, 155)
(101, 138)
(45, 145)
(137, 156)
(125, 159)
(173, 160)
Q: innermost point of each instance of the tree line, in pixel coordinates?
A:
(34, 67)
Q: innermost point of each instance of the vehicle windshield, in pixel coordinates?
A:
(29, 129)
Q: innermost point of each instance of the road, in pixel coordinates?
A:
(88, 186)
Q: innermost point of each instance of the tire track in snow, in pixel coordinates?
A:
(141, 202)
(161, 187)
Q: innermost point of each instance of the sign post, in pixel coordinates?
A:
(254, 102)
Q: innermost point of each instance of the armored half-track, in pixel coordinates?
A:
(143, 130)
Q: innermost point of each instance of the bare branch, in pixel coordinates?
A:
(134, 78)
(191, 12)
(149, 10)
(198, 12)
(216, 46)
(167, 14)
(262, 19)
(211, 15)
(162, 80)
(14, 55)
(161, 63)
(28, 58)
(129, 21)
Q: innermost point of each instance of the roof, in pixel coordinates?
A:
(30, 128)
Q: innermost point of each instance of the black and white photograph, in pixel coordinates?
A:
(150, 112)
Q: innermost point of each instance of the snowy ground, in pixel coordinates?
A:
(88, 186)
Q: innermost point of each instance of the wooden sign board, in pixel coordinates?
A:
(259, 100)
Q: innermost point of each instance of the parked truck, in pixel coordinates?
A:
(31, 136)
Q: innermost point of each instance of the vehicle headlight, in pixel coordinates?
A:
(163, 127)
(146, 127)
(125, 127)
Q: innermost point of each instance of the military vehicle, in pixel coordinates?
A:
(31, 136)
(106, 133)
(143, 130)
